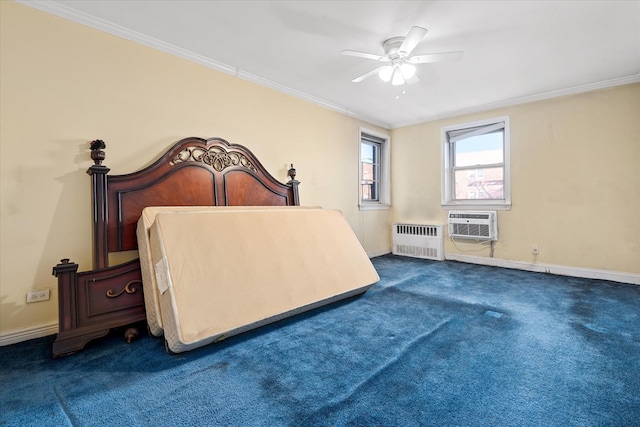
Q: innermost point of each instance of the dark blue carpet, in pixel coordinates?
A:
(433, 343)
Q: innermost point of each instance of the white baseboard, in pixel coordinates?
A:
(28, 334)
(562, 270)
(377, 253)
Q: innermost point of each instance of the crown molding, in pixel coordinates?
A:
(134, 36)
(527, 99)
(70, 14)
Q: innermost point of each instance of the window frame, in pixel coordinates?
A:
(448, 169)
(384, 141)
(373, 181)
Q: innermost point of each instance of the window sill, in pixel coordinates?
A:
(374, 206)
(470, 206)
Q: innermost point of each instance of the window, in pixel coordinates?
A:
(374, 170)
(370, 161)
(475, 170)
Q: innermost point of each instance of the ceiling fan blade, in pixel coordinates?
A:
(366, 55)
(415, 36)
(367, 75)
(435, 57)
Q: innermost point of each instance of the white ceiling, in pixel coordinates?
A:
(514, 51)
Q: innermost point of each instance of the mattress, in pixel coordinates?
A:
(222, 272)
(150, 288)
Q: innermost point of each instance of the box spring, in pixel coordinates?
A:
(150, 288)
(225, 271)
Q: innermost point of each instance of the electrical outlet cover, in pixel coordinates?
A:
(36, 296)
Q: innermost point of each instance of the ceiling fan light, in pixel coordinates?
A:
(397, 78)
(385, 73)
(408, 70)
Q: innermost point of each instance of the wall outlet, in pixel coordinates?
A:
(36, 296)
(535, 250)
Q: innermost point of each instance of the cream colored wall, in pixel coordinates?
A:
(63, 84)
(575, 179)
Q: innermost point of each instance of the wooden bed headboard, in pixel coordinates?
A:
(193, 172)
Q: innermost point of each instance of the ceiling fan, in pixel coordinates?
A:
(400, 65)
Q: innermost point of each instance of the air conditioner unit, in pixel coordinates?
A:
(475, 225)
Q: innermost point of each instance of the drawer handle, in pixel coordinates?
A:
(128, 288)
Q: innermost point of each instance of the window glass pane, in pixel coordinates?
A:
(369, 172)
(367, 153)
(369, 191)
(487, 185)
(479, 150)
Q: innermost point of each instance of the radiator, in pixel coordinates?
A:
(418, 241)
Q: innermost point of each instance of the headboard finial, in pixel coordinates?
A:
(292, 173)
(96, 151)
